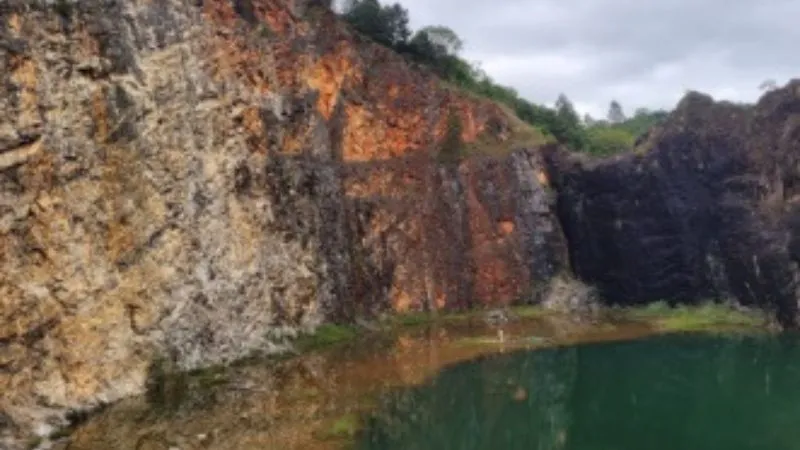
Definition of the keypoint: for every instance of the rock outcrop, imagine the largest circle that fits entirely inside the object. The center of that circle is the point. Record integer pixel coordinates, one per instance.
(708, 209)
(200, 179)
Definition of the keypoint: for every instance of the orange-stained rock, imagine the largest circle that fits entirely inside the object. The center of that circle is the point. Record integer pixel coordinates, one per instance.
(202, 180)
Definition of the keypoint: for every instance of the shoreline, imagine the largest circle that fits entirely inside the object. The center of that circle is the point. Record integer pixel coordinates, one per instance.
(339, 372)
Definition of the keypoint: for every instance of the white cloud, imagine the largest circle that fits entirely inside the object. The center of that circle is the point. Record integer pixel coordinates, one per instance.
(641, 53)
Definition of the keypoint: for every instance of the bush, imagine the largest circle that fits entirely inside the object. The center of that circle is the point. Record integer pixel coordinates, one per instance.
(452, 147)
(608, 140)
(437, 47)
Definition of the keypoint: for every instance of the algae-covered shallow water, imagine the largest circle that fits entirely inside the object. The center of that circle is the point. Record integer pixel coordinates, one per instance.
(687, 391)
(456, 385)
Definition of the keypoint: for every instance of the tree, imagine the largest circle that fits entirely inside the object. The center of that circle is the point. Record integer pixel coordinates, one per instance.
(642, 121)
(348, 5)
(365, 16)
(478, 73)
(566, 111)
(588, 120)
(452, 145)
(605, 140)
(768, 85)
(444, 37)
(387, 25)
(615, 113)
(395, 18)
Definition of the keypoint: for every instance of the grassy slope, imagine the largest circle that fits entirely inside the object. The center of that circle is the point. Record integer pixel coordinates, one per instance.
(523, 134)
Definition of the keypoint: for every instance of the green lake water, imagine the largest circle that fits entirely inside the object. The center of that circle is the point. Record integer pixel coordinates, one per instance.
(689, 391)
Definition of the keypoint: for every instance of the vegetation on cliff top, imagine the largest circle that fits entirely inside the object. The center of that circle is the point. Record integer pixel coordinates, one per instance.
(438, 47)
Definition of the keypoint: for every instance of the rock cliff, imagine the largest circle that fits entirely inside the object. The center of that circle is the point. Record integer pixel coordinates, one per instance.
(707, 209)
(201, 179)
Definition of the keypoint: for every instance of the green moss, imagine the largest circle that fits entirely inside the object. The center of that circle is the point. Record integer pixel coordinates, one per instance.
(209, 377)
(167, 386)
(345, 427)
(655, 309)
(528, 312)
(426, 318)
(325, 336)
(416, 319)
(508, 340)
(413, 319)
(692, 318)
(452, 148)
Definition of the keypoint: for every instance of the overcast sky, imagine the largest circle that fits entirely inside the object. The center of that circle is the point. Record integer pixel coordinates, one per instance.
(644, 53)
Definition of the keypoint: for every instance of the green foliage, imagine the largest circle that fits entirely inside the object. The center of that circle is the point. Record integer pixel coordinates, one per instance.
(387, 25)
(416, 319)
(443, 37)
(615, 113)
(413, 319)
(437, 48)
(642, 121)
(566, 111)
(452, 145)
(325, 336)
(528, 312)
(605, 140)
(346, 426)
(703, 317)
(167, 387)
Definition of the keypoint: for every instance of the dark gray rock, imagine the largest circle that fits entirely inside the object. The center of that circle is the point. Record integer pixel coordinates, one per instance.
(706, 212)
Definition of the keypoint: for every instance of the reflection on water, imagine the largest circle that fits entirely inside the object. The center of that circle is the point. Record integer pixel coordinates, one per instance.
(661, 393)
(302, 403)
(513, 402)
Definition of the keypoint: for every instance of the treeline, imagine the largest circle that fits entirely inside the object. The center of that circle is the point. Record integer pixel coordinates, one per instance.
(618, 132)
(438, 47)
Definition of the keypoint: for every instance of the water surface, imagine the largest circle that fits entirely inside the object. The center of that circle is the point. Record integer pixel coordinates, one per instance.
(309, 402)
(689, 391)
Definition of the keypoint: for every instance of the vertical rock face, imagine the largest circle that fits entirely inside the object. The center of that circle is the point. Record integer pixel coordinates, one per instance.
(709, 211)
(455, 237)
(199, 179)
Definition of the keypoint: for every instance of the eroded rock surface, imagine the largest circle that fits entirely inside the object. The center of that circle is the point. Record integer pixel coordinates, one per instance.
(708, 211)
(200, 179)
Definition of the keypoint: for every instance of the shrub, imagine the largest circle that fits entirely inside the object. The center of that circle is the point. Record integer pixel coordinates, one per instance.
(451, 149)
